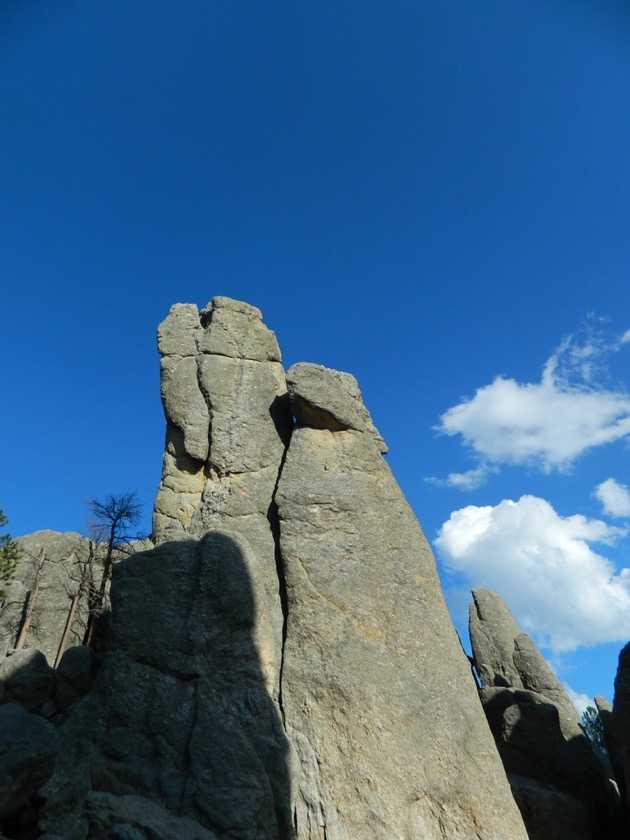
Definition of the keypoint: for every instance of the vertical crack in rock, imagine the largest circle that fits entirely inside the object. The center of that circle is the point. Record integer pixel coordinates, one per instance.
(228, 424)
(274, 523)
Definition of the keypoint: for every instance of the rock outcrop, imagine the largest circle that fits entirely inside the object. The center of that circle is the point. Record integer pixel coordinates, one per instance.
(282, 664)
(40, 595)
(228, 423)
(558, 781)
(376, 691)
(617, 727)
(181, 713)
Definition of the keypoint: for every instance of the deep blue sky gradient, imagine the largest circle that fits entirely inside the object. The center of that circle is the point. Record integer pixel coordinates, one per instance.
(424, 194)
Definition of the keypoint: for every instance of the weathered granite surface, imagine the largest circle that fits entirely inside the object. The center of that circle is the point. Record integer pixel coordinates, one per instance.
(377, 694)
(556, 777)
(228, 422)
(181, 713)
(48, 590)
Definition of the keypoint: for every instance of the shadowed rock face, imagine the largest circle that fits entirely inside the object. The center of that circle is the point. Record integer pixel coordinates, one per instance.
(617, 726)
(558, 781)
(282, 664)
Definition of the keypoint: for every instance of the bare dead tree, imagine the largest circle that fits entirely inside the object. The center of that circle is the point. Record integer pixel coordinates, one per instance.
(111, 523)
(30, 603)
(82, 577)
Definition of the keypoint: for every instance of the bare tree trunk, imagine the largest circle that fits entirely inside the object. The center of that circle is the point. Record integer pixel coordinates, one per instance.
(63, 644)
(29, 604)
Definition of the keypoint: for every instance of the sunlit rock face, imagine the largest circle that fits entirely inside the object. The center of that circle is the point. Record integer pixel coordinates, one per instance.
(228, 422)
(378, 697)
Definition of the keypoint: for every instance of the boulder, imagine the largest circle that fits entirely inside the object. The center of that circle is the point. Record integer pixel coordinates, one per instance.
(377, 695)
(29, 746)
(27, 678)
(618, 726)
(135, 818)
(73, 676)
(329, 399)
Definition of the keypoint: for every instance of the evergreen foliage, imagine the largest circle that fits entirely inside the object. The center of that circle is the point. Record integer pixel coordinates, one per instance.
(592, 723)
(9, 555)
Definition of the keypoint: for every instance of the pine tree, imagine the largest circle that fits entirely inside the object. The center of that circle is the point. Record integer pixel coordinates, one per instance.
(592, 723)
(9, 554)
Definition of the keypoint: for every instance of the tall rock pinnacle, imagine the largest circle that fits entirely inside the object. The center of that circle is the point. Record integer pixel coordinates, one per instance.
(228, 423)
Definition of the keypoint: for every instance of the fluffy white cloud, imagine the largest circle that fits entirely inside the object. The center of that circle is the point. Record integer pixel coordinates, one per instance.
(615, 498)
(549, 423)
(560, 590)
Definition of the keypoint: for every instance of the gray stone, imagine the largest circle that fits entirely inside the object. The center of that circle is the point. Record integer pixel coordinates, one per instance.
(537, 731)
(135, 818)
(329, 399)
(185, 405)
(50, 596)
(377, 694)
(181, 712)
(28, 748)
(549, 813)
(27, 677)
(73, 676)
(177, 334)
(505, 656)
(235, 329)
(228, 422)
(619, 726)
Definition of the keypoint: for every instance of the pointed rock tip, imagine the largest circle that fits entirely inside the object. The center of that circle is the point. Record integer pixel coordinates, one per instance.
(222, 302)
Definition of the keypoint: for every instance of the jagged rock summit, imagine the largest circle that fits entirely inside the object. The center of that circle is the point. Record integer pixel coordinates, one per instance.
(282, 664)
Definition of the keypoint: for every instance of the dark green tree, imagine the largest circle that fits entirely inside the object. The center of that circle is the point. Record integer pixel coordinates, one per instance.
(592, 723)
(9, 555)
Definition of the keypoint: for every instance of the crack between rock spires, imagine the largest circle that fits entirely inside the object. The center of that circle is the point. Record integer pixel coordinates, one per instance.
(274, 523)
(238, 358)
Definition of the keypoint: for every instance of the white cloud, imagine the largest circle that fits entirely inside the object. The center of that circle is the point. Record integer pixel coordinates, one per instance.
(625, 338)
(549, 423)
(560, 590)
(614, 497)
(469, 480)
(580, 701)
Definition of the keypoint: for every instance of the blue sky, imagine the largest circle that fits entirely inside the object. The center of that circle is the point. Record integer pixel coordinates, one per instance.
(432, 196)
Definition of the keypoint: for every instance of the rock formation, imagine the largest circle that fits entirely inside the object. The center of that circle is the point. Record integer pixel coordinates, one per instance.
(376, 691)
(282, 664)
(228, 423)
(558, 781)
(40, 595)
